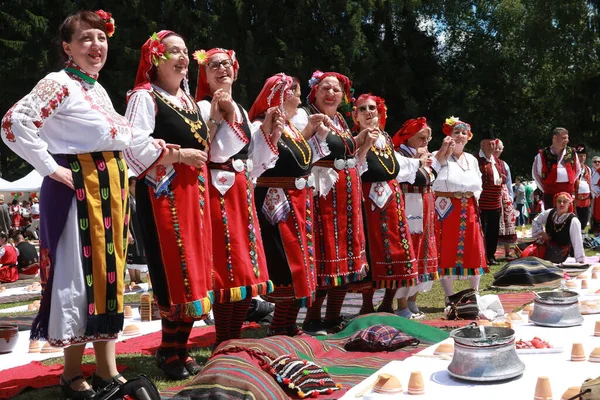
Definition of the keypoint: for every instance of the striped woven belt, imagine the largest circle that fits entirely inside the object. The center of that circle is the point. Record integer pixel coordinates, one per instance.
(456, 195)
(406, 188)
(286, 182)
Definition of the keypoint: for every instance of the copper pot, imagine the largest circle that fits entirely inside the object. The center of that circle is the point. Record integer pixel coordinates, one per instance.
(8, 338)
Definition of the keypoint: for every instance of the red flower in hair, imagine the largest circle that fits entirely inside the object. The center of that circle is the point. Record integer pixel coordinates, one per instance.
(109, 22)
(157, 50)
(104, 15)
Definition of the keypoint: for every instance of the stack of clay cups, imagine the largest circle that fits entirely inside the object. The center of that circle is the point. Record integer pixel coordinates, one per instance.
(146, 307)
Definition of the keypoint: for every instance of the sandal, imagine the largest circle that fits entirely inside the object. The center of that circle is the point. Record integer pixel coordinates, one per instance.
(73, 394)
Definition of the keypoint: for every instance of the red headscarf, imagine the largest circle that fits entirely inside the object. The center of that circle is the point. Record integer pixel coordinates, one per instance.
(409, 129)
(567, 195)
(202, 56)
(452, 123)
(276, 90)
(318, 76)
(142, 79)
(381, 110)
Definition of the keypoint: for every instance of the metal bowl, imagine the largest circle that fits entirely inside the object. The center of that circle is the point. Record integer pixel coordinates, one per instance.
(484, 354)
(556, 309)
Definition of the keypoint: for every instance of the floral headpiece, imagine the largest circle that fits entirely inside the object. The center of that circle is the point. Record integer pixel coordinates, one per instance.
(158, 51)
(109, 22)
(381, 110)
(275, 92)
(454, 123)
(152, 52)
(345, 106)
(202, 57)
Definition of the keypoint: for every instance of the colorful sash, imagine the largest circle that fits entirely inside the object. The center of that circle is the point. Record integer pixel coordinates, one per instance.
(101, 187)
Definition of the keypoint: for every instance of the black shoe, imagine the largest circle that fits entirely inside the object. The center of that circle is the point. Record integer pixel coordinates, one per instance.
(290, 331)
(73, 394)
(190, 364)
(335, 325)
(314, 327)
(260, 311)
(171, 365)
(100, 383)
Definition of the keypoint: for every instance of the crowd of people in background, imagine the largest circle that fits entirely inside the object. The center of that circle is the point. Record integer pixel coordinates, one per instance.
(286, 202)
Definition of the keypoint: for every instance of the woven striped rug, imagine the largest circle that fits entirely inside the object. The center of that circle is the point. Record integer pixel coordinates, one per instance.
(238, 376)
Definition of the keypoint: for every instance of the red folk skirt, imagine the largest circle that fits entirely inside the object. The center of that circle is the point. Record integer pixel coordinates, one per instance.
(180, 251)
(392, 258)
(340, 255)
(239, 262)
(290, 246)
(425, 244)
(460, 240)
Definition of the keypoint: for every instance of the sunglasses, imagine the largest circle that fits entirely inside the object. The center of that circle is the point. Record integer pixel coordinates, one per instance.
(365, 108)
(214, 65)
(596, 161)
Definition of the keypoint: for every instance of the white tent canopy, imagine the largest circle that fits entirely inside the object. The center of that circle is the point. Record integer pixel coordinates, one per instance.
(31, 182)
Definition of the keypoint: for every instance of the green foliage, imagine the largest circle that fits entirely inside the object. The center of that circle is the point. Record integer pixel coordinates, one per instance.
(520, 67)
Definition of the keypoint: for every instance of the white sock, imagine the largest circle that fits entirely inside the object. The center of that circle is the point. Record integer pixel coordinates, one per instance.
(447, 285)
(474, 279)
(412, 306)
(404, 313)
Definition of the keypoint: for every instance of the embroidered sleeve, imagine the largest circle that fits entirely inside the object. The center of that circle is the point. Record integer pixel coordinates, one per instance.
(262, 152)
(576, 239)
(228, 140)
(319, 147)
(538, 223)
(141, 113)
(408, 168)
(300, 119)
(22, 123)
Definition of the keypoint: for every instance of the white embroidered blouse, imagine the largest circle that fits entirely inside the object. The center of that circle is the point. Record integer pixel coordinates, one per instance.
(459, 175)
(63, 115)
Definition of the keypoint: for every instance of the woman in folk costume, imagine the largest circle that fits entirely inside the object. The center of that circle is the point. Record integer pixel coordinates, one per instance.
(391, 255)
(239, 153)
(8, 260)
(16, 214)
(557, 231)
(411, 141)
(172, 194)
(508, 214)
(339, 240)
(457, 188)
(69, 131)
(595, 189)
(284, 198)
